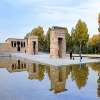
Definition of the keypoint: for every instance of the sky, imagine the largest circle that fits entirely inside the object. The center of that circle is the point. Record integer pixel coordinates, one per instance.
(18, 17)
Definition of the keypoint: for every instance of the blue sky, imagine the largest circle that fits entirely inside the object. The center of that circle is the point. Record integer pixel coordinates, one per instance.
(18, 17)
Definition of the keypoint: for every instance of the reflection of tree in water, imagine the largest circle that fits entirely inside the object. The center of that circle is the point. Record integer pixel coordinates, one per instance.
(98, 89)
(41, 72)
(48, 71)
(96, 67)
(80, 75)
(58, 76)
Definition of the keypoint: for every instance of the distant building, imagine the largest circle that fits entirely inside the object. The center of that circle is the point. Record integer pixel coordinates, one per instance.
(28, 45)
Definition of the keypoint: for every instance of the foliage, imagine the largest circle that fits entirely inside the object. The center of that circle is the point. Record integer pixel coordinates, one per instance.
(79, 35)
(41, 72)
(95, 67)
(94, 43)
(99, 22)
(80, 75)
(68, 40)
(78, 39)
(38, 31)
(47, 40)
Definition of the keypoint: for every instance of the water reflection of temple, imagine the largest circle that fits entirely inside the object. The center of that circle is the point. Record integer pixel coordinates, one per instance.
(17, 66)
(58, 78)
(36, 71)
(3, 63)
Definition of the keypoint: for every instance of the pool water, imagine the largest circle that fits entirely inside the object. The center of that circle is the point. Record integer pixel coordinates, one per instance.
(26, 80)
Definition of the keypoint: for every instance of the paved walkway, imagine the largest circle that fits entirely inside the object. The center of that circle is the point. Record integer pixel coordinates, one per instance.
(88, 55)
(45, 59)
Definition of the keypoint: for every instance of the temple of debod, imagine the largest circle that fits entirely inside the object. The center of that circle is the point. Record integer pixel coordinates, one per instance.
(57, 42)
(28, 49)
(30, 45)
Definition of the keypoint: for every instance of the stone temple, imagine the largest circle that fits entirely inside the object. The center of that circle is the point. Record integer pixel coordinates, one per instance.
(28, 45)
(57, 42)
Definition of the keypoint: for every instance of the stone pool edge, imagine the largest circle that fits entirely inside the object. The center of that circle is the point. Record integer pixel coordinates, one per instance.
(46, 60)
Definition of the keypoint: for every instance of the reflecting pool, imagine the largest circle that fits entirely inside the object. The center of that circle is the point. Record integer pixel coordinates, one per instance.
(25, 80)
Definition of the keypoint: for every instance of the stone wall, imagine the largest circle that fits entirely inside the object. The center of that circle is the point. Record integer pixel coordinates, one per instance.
(24, 45)
(14, 49)
(5, 47)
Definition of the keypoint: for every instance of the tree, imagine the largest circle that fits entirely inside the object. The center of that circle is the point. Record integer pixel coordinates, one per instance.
(38, 31)
(27, 35)
(47, 40)
(73, 39)
(99, 22)
(67, 37)
(80, 34)
(95, 43)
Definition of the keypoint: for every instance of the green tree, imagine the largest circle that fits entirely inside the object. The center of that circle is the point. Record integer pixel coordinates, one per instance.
(95, 43)
(67, 37)
(38, 31)
(72, 40)
(27, 35)
(99, 22)
(80, 35)
(47, 40)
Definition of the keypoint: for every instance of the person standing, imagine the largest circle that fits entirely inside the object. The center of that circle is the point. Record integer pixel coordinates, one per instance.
(71, 55)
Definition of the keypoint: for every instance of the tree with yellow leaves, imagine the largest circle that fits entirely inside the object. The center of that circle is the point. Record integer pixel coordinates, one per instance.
(99, 22)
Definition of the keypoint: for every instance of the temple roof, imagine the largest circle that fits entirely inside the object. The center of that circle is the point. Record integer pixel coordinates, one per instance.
(58, 27)
(14, 39)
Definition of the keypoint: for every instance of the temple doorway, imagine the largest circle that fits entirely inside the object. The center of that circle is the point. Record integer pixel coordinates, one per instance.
(60, 47)
(34, 47)
(18, 46)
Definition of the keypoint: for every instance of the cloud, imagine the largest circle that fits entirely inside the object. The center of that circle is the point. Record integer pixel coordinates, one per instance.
(20, 16)
(87, 11)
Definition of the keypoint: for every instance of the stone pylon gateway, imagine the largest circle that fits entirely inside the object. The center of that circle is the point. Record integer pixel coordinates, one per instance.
(32, 45)
(57, 42)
